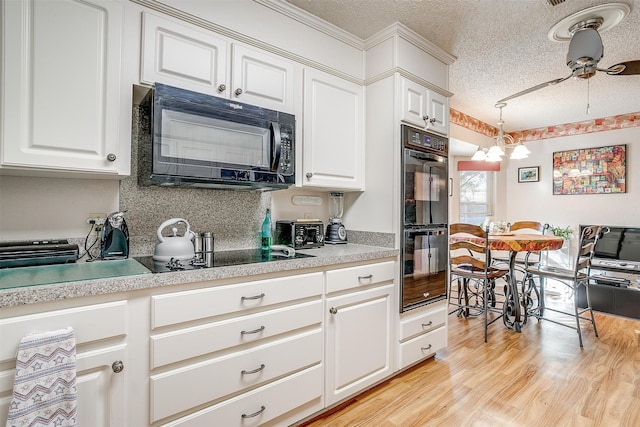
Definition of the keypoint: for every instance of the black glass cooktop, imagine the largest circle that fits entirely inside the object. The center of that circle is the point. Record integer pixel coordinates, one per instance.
(217, 259)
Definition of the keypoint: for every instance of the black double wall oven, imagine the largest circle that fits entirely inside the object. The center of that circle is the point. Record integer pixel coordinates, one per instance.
(424, 245)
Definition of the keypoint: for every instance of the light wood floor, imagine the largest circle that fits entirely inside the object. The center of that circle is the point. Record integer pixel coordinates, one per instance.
(540, 377)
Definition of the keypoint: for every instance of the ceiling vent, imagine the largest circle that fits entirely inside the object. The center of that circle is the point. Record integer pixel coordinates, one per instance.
(554, 2)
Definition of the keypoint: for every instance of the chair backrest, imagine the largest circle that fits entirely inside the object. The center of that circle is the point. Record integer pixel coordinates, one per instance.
(529, 226)
(464, 252)
(588, 239)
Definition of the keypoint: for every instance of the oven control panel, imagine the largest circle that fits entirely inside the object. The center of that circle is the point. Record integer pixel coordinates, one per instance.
(424, 140)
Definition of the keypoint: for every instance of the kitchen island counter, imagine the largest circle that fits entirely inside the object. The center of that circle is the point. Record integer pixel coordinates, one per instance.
(325, 256)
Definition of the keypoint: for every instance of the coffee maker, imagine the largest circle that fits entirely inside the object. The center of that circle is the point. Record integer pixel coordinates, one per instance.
(114, 242)
(336, 233)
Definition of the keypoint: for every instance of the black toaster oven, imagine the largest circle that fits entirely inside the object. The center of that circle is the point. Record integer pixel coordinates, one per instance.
(299, 234)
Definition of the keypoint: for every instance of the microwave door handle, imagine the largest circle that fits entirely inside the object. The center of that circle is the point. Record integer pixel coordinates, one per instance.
(276, 142)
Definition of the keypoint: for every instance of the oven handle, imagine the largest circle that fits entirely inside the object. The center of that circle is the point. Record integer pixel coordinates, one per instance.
(426, 231)
(421, 155)
(276, 142)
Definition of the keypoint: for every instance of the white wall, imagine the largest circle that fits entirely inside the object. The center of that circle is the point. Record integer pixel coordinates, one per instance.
(535, 200)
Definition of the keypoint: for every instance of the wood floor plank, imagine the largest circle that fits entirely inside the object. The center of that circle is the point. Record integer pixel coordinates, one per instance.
(540, 377)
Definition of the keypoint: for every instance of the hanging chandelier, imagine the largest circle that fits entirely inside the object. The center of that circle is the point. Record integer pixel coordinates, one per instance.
(501, 142)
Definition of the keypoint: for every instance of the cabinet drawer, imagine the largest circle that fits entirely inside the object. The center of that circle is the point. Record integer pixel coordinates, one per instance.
(429, 320)
(90, 323)
(422, 346)
(277, 398)
(353, 277)
(191, 342)
(202, 303)
(196, 384)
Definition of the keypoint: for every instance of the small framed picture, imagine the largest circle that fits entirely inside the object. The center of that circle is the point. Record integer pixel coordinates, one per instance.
(531, 174)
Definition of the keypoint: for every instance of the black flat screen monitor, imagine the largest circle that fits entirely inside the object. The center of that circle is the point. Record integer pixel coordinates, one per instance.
(620, 243)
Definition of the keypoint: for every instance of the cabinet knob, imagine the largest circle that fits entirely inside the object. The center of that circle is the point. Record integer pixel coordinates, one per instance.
(309, 175)
(238, 92)
(117, 366)
(222, 87)
(111, 157)
(333, 310)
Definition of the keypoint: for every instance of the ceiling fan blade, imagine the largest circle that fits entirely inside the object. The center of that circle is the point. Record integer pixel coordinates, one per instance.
(534, 88)
(631, 68)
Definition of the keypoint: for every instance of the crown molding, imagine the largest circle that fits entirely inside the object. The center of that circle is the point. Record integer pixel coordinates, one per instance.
(312, 21)
(401, 30)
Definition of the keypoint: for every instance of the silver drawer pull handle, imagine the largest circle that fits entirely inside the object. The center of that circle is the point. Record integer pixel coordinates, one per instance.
(253, 297)
(255, 414)
(426, 348)
(255, 371)
(255, 331)
(367, 277)
(424, 325)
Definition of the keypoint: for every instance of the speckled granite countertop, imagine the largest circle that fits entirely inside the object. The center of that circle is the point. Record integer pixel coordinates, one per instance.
(329, 255)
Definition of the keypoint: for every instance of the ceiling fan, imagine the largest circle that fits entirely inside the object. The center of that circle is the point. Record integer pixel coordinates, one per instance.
(585, 51)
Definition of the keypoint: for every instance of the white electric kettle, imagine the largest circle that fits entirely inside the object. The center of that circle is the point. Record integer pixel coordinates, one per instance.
(176, 247)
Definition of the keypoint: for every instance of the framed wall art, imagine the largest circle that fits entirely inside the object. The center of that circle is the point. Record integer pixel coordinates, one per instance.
(531, 174)
(601, 170)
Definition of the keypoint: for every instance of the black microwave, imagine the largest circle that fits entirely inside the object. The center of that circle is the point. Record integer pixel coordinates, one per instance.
(199, 140)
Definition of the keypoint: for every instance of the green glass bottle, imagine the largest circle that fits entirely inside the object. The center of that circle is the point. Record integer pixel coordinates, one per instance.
(267, 233)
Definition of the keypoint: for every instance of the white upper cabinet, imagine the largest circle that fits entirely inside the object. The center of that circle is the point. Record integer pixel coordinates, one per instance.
(61, 93)
(189, 57)
(182, 55)
(333, 147)
(423, 107)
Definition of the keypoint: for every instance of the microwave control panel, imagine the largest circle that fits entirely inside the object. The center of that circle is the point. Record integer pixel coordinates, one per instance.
(286, 150)
(423, 140)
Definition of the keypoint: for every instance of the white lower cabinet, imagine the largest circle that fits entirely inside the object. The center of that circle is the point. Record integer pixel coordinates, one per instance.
(358, 329)
(219, 353)
(422, 332)
(276, 404)
(101, 357)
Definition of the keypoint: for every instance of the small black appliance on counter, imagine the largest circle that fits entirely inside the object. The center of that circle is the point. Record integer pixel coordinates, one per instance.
(299, 233)
(114, 242)
(37, 252)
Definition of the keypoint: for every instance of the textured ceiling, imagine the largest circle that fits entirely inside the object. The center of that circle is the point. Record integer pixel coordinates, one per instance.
(502, 48)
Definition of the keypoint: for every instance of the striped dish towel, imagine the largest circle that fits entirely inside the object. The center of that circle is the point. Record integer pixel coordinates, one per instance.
(44, 388)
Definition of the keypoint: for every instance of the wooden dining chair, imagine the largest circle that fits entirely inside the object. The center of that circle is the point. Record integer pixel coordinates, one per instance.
(472, 286)
(573, 277)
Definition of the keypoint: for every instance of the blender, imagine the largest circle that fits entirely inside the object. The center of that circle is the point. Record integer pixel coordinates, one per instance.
(336, 233)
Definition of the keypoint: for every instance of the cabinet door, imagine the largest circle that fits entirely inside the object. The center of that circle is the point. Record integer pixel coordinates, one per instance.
(101, 387)
(358, 341)
(61, 86)
(414, 103)
(262, 79)
(423, 107)
(438, 109)
(183, 56)
(333, 149)
(100, 334)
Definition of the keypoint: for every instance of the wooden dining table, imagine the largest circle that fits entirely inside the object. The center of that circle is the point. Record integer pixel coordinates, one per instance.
(514, 243)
